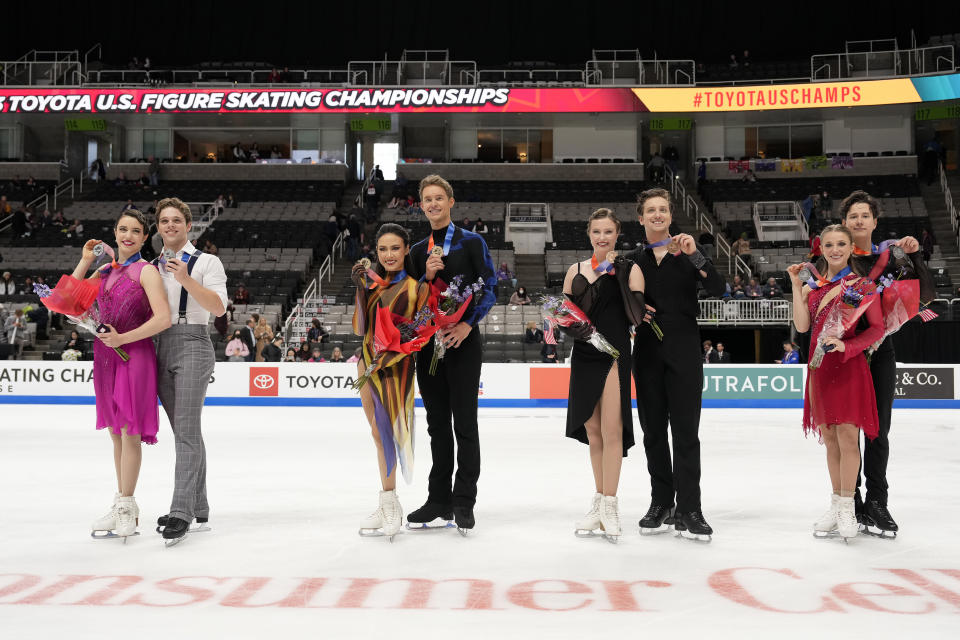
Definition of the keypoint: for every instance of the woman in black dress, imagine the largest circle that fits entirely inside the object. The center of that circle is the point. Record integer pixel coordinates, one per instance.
(610, 291)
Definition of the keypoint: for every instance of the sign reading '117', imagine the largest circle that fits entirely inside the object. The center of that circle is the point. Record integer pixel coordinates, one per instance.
(670, 124)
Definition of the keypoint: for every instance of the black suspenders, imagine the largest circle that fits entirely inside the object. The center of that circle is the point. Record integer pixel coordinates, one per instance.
(192, 260)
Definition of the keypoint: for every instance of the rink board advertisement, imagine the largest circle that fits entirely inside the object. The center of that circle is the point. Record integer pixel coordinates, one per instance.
(82, 101)
(501, 385)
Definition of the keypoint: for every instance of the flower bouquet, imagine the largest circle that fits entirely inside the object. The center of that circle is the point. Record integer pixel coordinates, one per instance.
(393, 332)
(851, 303)
(77, 300)
(900, 295)
(449, 303)
(564, 313)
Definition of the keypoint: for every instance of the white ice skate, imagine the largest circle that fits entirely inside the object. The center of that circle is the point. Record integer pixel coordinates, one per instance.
(386, 520)
(610, 518)
(588, 526)
(826, 526)
(116, 525)
(847, 525)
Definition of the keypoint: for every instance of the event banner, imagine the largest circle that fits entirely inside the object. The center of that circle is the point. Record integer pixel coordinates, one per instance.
(76, 101)
(501, 385)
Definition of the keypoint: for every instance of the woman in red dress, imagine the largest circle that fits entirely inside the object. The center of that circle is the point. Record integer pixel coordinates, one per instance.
(839, 398)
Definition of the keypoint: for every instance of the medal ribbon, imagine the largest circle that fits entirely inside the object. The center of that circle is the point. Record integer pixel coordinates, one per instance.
(874, 249)
(601, 267)
(128, 262)
(381, 282)
(447, 241)
(818, 281)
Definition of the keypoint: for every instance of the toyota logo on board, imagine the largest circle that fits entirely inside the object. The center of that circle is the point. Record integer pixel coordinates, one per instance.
(264, 381)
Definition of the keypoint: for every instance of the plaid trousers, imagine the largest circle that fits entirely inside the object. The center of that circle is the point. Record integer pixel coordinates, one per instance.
(185, 360)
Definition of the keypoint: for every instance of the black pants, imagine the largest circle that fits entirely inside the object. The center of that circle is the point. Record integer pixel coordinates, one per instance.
(669, 380)
(876, 452)
(452, 392)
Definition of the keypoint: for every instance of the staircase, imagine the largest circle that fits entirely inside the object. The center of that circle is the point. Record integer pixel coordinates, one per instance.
(687, 225)
(940, 225)
(531, 272)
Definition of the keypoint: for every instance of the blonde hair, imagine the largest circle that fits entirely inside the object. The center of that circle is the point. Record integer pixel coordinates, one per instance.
(179, 205)
(433, 180)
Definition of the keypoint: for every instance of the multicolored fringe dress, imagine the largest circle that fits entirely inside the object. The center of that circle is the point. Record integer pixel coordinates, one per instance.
(392, 381)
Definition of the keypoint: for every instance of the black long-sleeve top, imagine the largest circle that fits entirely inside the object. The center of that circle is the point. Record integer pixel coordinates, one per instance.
(469, 258)
(671, 286)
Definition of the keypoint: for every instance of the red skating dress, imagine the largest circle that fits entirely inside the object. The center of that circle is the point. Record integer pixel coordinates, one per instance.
(840, 391)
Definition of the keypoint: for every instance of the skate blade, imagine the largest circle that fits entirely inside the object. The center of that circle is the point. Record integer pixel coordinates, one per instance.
(429, 526)
(194, 528)
(876, 532)
(646, 531)
(110, 535)
(826, 535)
(172, 542)
(588, 533)
(694, 537)
(463, 532)
(612, 539)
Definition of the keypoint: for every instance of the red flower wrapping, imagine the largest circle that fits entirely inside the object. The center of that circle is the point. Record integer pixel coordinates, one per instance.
(386, 335)
(72, 297)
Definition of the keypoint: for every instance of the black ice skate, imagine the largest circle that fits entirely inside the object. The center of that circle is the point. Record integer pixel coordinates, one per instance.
(692, 526)
(658, 519)
(465, 519)
(431, 516)
(878, 522)
(199, 527)
(175, 531)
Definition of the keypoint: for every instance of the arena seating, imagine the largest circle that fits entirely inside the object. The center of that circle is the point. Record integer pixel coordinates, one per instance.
(209, 190)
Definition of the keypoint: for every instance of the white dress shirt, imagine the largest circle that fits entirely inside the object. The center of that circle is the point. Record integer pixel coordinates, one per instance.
(208, 271)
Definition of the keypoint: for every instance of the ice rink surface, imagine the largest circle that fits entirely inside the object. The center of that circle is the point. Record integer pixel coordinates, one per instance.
(289, 487)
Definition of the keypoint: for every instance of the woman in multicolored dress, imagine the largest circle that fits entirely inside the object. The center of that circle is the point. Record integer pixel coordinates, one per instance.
(388, 396)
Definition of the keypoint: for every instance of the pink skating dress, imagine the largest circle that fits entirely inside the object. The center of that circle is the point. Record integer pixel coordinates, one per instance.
(126, 392)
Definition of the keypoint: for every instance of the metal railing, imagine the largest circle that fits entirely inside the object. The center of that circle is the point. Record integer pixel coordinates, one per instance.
(297, 77)
(882, 64)
(951, 206)
(62, 188)
(44, 198)
(745, 312)
(208, 214)
(524, 77)
(535, 213)
(641, 72)
(43, 67)
(781, 213)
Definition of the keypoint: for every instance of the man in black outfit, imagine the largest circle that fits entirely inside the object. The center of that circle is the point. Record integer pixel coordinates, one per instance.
(719, 355)
(447, 252)
(669, 372)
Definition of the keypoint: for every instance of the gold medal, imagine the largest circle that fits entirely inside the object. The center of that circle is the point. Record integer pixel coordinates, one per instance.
(437, 251)
(673, 247)
(364, 262)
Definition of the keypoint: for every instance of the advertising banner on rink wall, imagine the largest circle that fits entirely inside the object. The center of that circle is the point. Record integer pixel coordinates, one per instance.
(81, 101)
(501, 385)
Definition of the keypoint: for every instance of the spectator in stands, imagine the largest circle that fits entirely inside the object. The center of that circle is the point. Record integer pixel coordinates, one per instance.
(354, 236)
(249, 335)
(737, 289)
(933, 154)
(742, 248)
(672, 156)
(46, 219)
(479, 226)
(372, 199)
(285, 76)
(144, 181)
(749, 176)
(7, 285)
(772, 289)
(209, 247)
(733, 61)
(219, 204)
(74, 343)
(303, 353)
(5, 208)
(238, 154)
(75, 227)
(273, 351)
(20, 227)
(264, 335)
(316, 356)
(275, 150)
(14, 327)
(701, 71)
(331, 229)
(825, 206)
(274, 77)
(39, 316)
(241, 295)
(467, 223)
(26, 288)
(58, 219)
(701, 174)
(154, 171)
(532, 334)
(707, 241)
(254, 155)
(317, 333)
(707, 350)
(237, 350)
(291, 355)
(548, 353)
(357, 354)
(231, 202)
(520, 296)
(656, 167)
(926, 244)
(745, 60)
(720, 355)
(504, 274)
(753, 289)
(337, 355)
(790, 355)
